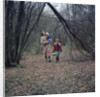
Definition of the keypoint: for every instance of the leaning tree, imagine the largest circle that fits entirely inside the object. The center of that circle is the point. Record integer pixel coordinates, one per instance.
(21, 20)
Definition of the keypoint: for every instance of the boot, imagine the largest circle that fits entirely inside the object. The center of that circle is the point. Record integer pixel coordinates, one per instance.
(57, 59)
(49, 59)
(46, 58)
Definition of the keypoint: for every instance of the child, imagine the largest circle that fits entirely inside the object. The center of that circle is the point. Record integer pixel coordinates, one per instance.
(57, 49)
(48, 38)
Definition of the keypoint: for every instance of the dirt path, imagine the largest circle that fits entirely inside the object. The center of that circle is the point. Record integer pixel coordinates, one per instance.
(39, 77)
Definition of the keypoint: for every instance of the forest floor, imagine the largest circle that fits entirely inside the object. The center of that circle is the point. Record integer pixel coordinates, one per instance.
(39, 78)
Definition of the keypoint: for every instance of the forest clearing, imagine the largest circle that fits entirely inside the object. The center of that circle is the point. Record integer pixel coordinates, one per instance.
(39, 78)
(49, 48)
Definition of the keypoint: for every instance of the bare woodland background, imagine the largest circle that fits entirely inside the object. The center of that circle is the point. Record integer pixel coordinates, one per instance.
(26, 71)
(73, 24)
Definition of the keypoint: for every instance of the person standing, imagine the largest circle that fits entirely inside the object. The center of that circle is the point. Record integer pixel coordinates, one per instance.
(57, 49)
(46, 46)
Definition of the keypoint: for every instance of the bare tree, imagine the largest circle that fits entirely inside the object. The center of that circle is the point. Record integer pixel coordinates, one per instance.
(72, 27)
(20, 21)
